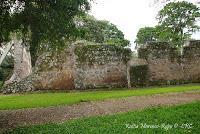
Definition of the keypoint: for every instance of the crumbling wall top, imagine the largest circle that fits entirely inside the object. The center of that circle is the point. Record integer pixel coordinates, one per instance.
(191, 49)
(157, 50)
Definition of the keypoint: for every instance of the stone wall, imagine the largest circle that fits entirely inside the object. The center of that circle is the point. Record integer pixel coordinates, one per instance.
(99, 66)
(191, 61)
(79, 66)
(137, 71)
(22, 61)
(167, 66)
(84, 66)
(55, 70)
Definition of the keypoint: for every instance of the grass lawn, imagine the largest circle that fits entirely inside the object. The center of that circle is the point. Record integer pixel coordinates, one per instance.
(171, 120)
(35, 100)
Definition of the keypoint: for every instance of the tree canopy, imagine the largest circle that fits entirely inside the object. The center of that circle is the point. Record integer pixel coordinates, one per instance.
(101, 31)
(146, 34)
(177, 22)
(180, 19)
(50, 20)
(37, 21)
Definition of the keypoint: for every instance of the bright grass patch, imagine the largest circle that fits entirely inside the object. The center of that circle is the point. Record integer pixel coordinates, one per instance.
(35, 100)
(171, 120)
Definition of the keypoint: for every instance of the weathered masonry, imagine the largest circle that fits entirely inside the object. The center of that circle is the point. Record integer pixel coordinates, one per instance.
(86, 66)
(159, 64)
(80, 66)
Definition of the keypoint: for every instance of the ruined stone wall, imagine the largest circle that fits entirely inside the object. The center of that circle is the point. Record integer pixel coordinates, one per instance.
(22, 61)
(79, 66)
(84, 66)
(55, 70)
(163, 63)
(191, 61)
(167, 66)
(99, 66)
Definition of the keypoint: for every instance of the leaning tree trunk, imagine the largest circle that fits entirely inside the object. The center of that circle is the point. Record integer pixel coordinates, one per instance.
(22, 61)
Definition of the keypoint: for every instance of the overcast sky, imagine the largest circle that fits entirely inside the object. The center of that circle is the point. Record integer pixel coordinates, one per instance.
(128, 15)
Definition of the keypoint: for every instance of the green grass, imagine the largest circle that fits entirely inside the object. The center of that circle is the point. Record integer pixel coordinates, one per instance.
(53, 99)
(181, 118)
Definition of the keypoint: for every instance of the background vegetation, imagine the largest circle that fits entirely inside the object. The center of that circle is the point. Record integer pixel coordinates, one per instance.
(100, 31)
(177, 22)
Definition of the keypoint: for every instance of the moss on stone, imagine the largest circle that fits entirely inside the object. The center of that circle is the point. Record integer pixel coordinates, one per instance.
(139, 76)
(158, 50)
(101, 54)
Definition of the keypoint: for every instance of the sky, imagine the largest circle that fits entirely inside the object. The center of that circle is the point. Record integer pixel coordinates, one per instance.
(129, 15)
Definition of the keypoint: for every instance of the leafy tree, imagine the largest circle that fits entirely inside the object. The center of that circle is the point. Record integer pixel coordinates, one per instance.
(100, 31)
(37, 21)
(114, 36)
(146, 34)
(5, 21)
(179, 19)
(90, 29)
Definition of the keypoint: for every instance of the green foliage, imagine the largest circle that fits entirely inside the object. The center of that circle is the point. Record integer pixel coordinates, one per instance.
(139, 75)
(179, 19)
(154, 34)
(1, 84)
(179, 116)
(101, 31)
(158, 50)
(118, 42)
(101, 54)
(54, 99)
(5, 22)
(6, 68)
(41, 20)
(5, 73)
(143, 53)
(146, 34)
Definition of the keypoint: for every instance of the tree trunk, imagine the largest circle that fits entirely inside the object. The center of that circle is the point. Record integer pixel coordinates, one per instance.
(22, 61)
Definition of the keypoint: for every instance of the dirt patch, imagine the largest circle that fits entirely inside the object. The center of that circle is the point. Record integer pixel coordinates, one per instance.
(26, 117)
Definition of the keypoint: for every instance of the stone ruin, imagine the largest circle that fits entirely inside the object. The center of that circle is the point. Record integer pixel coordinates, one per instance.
(22, 59)
(79, 66)
(85, 66)
(160, 64)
